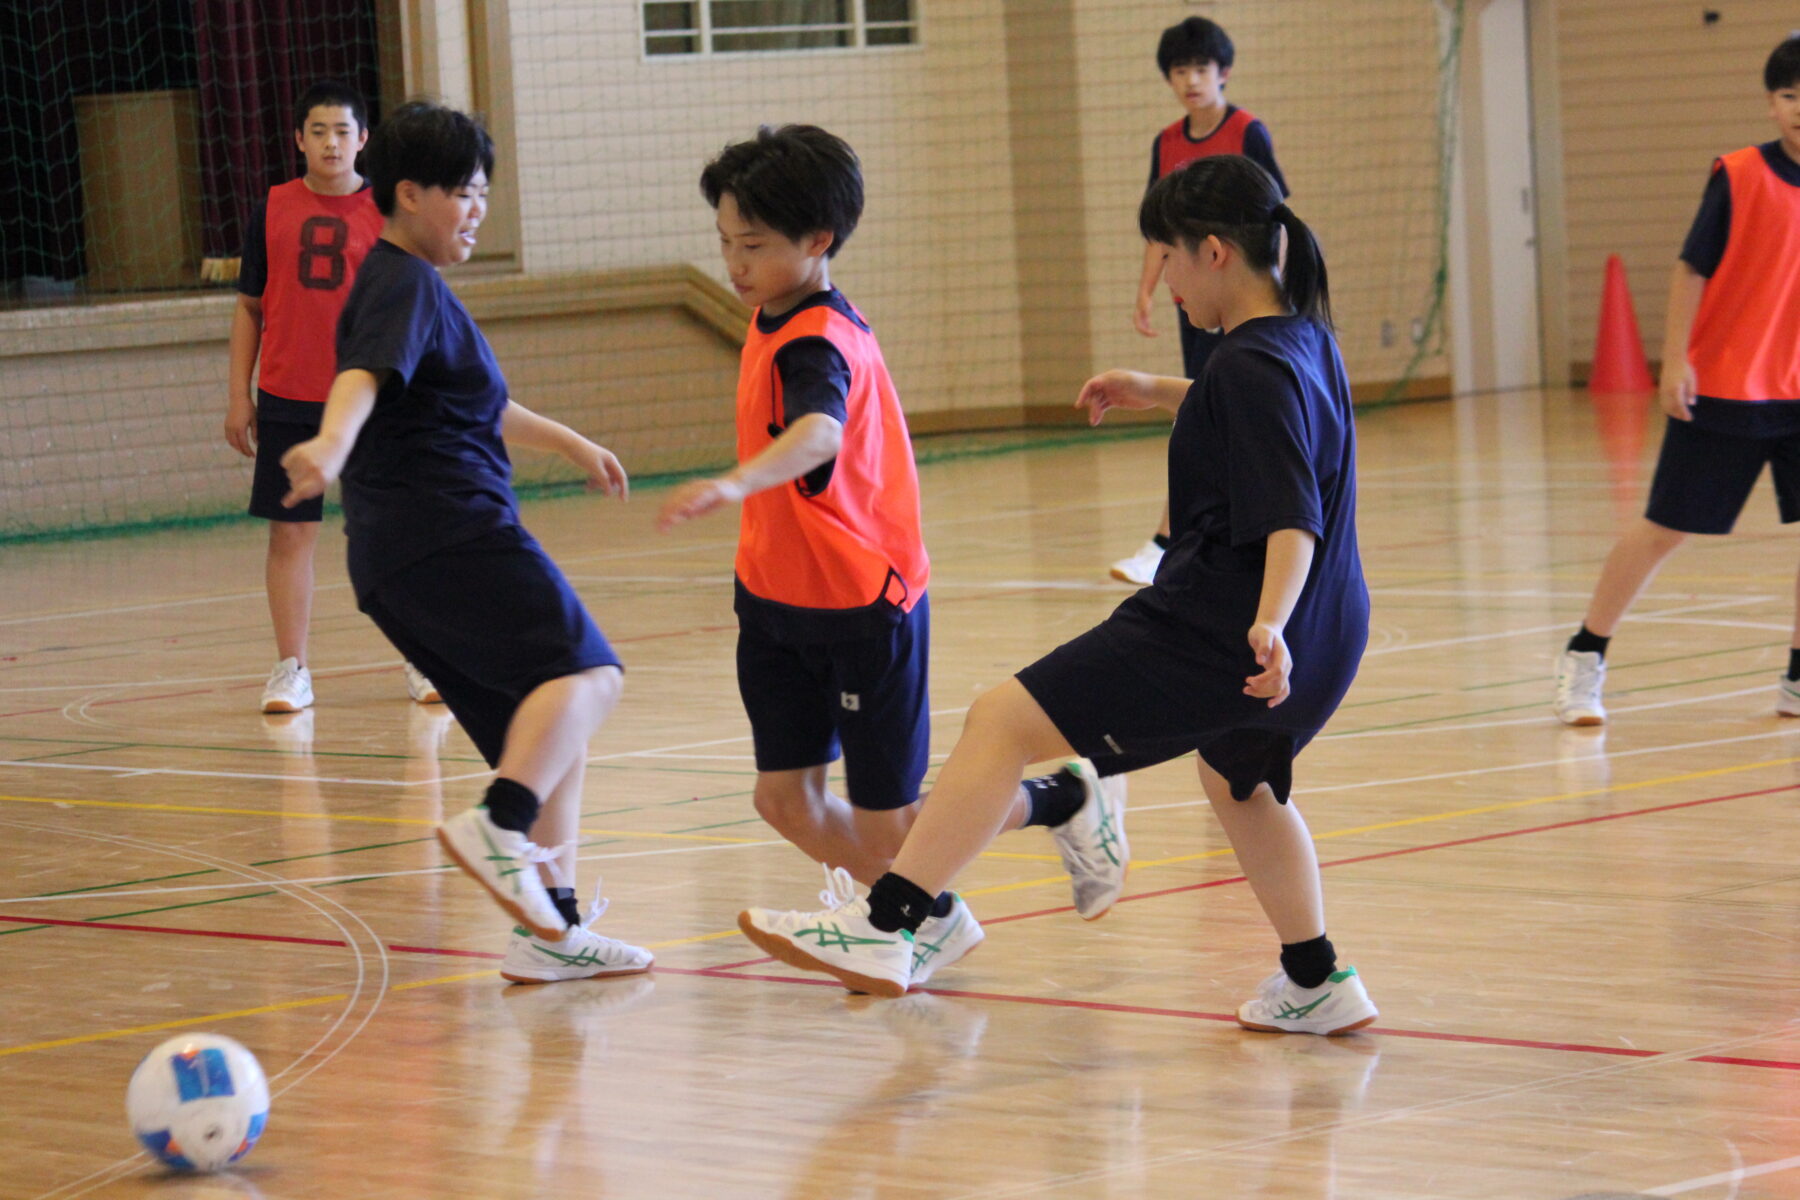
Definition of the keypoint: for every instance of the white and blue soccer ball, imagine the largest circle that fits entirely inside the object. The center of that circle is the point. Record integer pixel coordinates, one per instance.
(198, 1102)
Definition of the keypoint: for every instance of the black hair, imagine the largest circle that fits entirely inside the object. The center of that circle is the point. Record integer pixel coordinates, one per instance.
(1195, 40)
(429, 144)
(331, 93)
(1782, 71)
(1233, 199)
(797, 180)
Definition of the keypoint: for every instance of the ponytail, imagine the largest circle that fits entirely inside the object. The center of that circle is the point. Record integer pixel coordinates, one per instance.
(1229, 197)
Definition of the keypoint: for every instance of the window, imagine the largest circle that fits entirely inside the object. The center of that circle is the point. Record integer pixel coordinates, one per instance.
(682, 27)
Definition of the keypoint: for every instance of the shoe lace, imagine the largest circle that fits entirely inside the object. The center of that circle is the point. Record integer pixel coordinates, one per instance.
(840, 889)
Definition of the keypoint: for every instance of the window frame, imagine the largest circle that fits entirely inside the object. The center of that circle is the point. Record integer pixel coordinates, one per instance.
(704, 32)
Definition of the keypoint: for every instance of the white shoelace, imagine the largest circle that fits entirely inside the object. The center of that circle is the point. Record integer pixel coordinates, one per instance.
(840, 889)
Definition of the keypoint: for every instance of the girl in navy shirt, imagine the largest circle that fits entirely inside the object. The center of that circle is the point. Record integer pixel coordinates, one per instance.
(1241, 649)
(416, 424)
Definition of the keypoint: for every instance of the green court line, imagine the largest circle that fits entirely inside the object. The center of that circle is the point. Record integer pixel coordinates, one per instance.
(1390, 700)
(718, 825)
(101, 887)
(1614, 670)
(95, 749)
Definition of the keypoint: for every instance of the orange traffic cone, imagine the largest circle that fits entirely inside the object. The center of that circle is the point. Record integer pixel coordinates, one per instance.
(1619, 362)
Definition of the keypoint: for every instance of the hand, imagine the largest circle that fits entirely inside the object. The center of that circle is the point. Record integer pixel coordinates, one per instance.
(696, 499)
(1140, 316)
(1676, 395)
(311, 467)
(240, 426)
(604, 471)
(1114, 389)
(1272, 656)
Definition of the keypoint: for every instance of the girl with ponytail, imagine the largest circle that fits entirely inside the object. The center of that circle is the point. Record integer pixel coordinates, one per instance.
(1241, 649)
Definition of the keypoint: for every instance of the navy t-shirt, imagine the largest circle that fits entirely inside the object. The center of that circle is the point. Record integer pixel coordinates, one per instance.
(1264, 441)
(1259, 148)
(429, 469)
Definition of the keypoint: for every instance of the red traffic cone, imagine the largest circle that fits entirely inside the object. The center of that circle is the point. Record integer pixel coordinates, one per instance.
(1619, 362)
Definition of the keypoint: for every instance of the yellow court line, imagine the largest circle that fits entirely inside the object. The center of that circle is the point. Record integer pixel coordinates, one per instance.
(988, 891)
(161, 1025)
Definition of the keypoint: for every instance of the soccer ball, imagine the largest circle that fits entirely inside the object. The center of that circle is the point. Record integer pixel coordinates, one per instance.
(198, 1102)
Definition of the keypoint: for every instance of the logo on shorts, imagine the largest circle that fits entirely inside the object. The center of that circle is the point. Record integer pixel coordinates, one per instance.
(851, 701)
(1112, 745)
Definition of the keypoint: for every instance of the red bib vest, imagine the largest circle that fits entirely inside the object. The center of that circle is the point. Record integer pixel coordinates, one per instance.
(316, 244)
(1745, 344)
(1174, 149)
(858, 541)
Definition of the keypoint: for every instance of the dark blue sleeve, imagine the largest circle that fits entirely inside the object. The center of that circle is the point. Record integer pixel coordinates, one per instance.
(390, 320)
(815, 378)
(1259, 148)
(253, 263)
(1269, 446)
(1707, 236)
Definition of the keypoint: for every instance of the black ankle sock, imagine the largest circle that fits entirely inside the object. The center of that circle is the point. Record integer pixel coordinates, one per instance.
(943, 904)
(1309, 964)
(1794, 664)
(1053, 799)
(1588, 642)
(1161, 540)
(898, 903)
(511, 805)
(564, 899)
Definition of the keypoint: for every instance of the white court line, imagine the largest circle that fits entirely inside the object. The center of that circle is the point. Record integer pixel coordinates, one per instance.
(1540, 719)
(1598, 757)
(273, 880)
(128, 772)
(1734, 602)
(322, 672)
(1733, 1176)
(1779, 627)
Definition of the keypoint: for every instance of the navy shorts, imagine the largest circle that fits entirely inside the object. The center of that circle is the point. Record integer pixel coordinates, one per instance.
(488, 620)
(1197, 344)
(1122, 719)
(868, 696)
(282, 424)
(1704, 476)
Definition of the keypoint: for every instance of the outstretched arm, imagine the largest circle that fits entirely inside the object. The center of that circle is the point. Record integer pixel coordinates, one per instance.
(808, 443)
(522, 427)
(313, 465)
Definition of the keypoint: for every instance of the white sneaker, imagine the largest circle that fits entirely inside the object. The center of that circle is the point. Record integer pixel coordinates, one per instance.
(505, 863)
(1092, 842)
(838, 940)
(419, 687)
(1140, 568)
(579, 954)
(1787, 697)
(1580, 675)
(289, 688)
(944, 940)
(1339, 1005)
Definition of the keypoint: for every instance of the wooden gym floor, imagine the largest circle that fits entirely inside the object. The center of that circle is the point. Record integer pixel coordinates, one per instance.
(1583, 942)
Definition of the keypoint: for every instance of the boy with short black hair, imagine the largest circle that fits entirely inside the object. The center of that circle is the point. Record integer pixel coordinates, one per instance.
(1195, 58)
(1730, 386)
(831, 571)
(438, 557)
(302, 249)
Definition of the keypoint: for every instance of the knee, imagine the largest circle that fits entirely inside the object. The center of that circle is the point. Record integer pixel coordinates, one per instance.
(1660, 538)
(604, 685)
(989, 713)
(292, 537)
(782, 802)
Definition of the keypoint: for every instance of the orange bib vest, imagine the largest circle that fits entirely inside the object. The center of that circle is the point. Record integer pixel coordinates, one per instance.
(857, 542)
(1745, 343)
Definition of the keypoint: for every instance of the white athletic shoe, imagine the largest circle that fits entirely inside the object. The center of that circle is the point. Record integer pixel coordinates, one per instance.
(421, 688)
(1787, 697)
(505, 863)
(579, 954)
(1092, 842)
(944, 940)
(1339, 1005)
(289, 688)
(1580, 676)
(1140, 568)
(837, 940)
